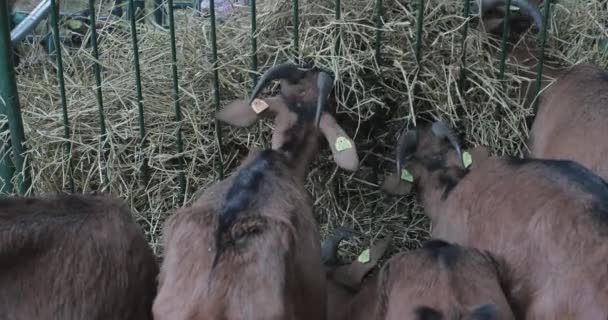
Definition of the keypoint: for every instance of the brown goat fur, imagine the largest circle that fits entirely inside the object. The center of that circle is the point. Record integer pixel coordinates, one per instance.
(547, 219)
(572, 117)
(248, 247)
(73, 257)
(440, 281)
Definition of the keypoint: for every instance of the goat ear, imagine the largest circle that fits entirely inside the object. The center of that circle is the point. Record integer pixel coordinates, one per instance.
(352, 275)
(393, 184)
(240, 114)
(342, 147)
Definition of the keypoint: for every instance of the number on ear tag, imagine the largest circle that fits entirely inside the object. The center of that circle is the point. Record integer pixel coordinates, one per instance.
(259, 105)
(343, 143)
(406, 176)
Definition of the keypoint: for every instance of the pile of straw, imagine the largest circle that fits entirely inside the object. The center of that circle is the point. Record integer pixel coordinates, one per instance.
(375, 102)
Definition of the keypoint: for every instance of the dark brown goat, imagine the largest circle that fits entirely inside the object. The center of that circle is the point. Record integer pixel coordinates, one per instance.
(547, 219)
(74, 257)
(441, 281)
(572, 117)
(249, 248)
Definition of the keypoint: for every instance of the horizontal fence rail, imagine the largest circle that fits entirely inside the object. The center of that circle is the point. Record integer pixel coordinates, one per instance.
(13, 154)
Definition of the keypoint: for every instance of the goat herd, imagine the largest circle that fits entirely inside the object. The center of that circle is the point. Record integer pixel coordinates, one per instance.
(512, 238)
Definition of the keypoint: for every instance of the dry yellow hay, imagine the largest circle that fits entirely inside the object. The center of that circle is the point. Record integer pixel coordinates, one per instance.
(366, 91)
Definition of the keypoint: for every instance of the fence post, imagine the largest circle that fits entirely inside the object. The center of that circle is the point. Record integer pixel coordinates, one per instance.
(9, 106)
(338, 16)
(140, 104)
(216, 89)
(60, 78)
(541, 59)
(103, 136)
(296, 29)
(419, 29)
(178, 113)
(254, 46)
(463, 57)
(379, 24)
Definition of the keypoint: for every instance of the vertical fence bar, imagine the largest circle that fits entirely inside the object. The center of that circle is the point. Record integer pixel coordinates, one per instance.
(60, 78)
(216, 89)
(8, 97)
(178, 113)
(140, 99)
(10, 101)
(419, 25)
(379, 26)
(338, 16)
(504, 48)
(103, 137)
(159, 13)
(463, 57)
(541, 58)
(505, 36)
(338, 9)
(296, 28)
(254, 46)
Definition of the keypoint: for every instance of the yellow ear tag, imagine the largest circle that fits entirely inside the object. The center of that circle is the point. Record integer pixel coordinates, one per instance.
(407, 176)
(467, 159)
(514, 8)
(74, 24)
(364, 256)
(342, 144)
(259, 105)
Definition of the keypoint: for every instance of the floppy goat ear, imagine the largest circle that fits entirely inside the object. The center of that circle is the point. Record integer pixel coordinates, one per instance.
(342, 146)
(352, 275)
(400, 182)
(242, 114)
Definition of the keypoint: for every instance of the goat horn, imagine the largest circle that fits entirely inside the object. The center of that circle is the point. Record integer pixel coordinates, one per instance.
(325, 83)
(524, 5)
(281, 71)
(441, 130)
(408, 139)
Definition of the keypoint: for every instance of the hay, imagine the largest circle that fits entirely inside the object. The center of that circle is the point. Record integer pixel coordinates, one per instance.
(365, 92)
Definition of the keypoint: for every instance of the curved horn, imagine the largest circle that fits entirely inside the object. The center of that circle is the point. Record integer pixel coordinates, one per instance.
(525, 5)
(329, 247)
(281, 71)
(325, 83)
(407, 141)
(441, 130)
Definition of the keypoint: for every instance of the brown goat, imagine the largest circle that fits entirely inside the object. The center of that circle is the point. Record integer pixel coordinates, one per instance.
(249, 247)
(441, 281)
(572, 118)
(74, 257)
(547, 219)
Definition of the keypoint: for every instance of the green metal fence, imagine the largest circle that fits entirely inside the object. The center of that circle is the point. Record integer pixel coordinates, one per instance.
(13, 154)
